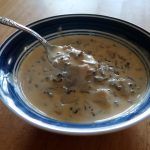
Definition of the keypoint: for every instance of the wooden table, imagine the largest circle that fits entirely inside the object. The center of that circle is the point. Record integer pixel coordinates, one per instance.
(16, 134)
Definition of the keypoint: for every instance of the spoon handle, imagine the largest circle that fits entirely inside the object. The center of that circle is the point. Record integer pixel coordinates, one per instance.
(11, 23)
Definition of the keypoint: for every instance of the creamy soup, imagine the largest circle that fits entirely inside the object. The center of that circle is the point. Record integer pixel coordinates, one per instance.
(85, 91)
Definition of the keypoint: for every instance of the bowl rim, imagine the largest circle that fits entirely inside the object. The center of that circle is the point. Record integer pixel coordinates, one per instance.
(73, 131)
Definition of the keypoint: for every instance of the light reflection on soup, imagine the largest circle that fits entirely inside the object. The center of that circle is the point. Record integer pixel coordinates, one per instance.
(116, 85)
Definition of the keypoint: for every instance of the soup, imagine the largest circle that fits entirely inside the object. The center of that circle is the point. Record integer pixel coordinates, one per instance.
(117, 84)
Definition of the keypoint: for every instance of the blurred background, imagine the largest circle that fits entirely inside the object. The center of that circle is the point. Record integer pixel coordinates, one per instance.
(134, 11)
(15, 134)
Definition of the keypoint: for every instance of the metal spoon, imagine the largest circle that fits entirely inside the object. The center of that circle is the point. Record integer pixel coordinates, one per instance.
(62, 59)
(48, 47)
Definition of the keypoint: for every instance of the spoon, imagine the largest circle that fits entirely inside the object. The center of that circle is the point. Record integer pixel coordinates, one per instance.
(48, 47)
(64, 59)
(55, 53)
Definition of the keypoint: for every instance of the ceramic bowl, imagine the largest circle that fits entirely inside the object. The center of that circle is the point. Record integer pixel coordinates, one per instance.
(13, 48)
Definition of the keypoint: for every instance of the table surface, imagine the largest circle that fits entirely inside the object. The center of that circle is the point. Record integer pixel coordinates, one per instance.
(16, 134)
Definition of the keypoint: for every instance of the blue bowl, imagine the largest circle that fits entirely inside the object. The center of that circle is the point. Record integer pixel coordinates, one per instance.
(12, 48)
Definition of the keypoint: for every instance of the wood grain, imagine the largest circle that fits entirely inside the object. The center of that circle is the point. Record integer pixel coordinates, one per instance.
(16, 134)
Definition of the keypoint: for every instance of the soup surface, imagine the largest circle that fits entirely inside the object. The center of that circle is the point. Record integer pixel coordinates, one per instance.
(117, 82)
